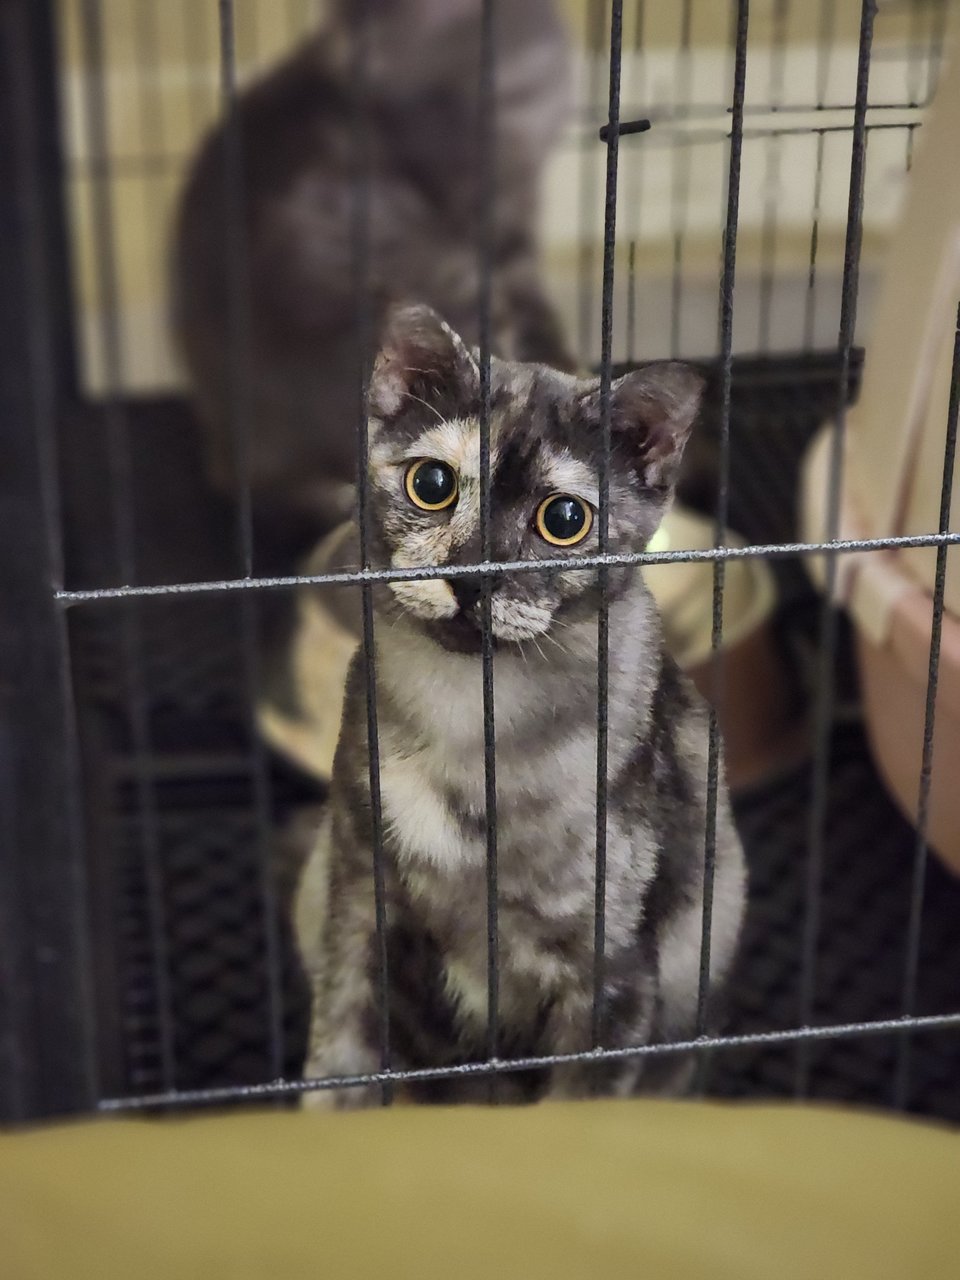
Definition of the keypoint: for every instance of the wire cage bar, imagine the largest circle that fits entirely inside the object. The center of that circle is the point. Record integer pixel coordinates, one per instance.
(361, 271)
(50, 1010)
(486, 154)
(828, 626)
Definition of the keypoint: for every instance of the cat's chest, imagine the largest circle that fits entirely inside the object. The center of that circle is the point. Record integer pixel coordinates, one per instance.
(434, 802)
(433, 778)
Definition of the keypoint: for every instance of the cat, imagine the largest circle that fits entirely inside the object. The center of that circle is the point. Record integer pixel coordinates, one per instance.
(423, 405)
(301, 155)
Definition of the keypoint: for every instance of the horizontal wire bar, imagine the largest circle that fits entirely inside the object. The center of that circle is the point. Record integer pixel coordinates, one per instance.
(150, 167)
(592, 117)
(278, 1088)
(357, 577)
(706, 111)
(663, 136)
(806, 131)
(155, 162)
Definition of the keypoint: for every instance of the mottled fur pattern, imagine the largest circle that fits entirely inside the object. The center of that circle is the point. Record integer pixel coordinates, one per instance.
(545, 437)
(308, 134)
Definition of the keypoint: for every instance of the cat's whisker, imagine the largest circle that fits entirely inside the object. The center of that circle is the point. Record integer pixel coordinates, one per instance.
(420, 401)
(555, 642)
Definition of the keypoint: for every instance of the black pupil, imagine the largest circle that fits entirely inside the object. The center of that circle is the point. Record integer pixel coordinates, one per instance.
(433, 483)
(564, 518)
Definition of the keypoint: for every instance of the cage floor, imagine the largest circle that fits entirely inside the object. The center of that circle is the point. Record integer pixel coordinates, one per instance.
(200, 773)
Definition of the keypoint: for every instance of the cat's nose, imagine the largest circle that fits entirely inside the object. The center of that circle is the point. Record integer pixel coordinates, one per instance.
(466, 592)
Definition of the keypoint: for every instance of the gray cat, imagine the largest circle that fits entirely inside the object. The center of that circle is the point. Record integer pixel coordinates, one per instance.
(424, 499)
(307, 138)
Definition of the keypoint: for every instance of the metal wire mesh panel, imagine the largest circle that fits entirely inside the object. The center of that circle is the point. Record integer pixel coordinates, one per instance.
(785, 144)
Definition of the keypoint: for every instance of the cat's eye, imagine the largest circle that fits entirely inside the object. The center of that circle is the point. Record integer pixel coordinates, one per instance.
(431, 485)
(563, 520)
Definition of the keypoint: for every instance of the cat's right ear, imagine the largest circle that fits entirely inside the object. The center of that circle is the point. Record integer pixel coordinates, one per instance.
(421, 360)
(652, 412)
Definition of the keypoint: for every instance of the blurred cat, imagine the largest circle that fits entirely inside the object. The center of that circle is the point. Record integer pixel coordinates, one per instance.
(307, 134)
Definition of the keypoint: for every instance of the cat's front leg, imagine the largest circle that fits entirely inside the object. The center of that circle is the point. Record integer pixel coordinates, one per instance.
(347, 1057)
(568, 1030)
(626, 1020)
(336, 948)
(344, 1031)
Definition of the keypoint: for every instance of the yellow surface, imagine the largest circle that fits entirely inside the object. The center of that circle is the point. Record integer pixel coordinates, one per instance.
(632, 1189)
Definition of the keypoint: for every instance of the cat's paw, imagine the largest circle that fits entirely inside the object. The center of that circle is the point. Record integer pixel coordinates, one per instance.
(333, 1061)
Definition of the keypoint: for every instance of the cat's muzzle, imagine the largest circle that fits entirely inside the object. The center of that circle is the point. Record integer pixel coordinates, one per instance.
(463, 632)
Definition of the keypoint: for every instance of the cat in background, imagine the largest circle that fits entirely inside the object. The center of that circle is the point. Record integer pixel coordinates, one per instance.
(307, 136)
(545, 427)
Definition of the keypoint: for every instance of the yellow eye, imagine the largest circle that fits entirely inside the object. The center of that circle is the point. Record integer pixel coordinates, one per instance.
(563, 520)
(431, 485)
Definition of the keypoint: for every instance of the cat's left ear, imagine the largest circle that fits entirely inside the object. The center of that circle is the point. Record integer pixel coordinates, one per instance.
(652, 412)
(421, 361)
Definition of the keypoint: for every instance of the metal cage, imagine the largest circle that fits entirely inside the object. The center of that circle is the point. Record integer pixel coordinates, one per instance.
(150, 838)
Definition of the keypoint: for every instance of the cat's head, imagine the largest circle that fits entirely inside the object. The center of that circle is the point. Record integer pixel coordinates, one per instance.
(546, 451)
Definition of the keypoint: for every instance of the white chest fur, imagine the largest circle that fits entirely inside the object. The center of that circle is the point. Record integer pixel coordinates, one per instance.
(418, 817)
(433, 781)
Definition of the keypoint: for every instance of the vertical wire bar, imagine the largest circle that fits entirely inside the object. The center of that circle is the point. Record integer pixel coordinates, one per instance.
(823, 714)
(727, 283)
(255, 38)
(43, 383)
(603, 615)
(152, 136)
(912, 964)
(198, 58)
(826, 29)
(810, 301)
(938, 31)
(631, 336)
(917, 64)
(908, 149)
(238, 299)
(486, 123)
(680, 163)
(360, 252)
(635, 185)
(238, 337)
(771, 177)
(825, 33)
(588, 186)
(121, 498)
